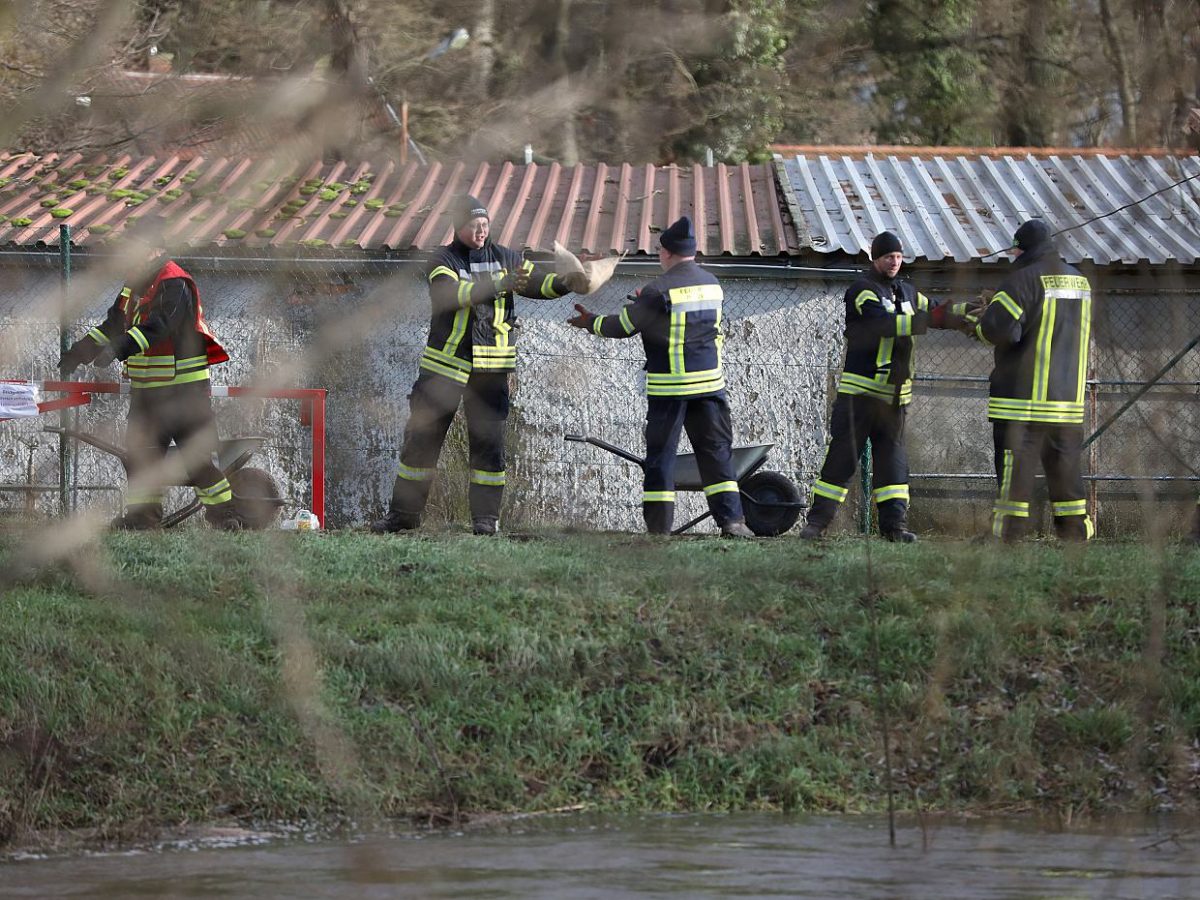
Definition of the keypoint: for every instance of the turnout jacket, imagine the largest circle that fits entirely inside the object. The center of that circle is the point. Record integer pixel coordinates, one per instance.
(160, 335)
(1040, 322)
(678, 316)
(882, 316)
(472, 322)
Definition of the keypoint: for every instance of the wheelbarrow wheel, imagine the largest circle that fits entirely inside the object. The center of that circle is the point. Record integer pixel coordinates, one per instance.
(771, 502)
(255, 496)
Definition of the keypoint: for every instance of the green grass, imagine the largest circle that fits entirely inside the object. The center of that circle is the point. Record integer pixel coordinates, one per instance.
(192, 676)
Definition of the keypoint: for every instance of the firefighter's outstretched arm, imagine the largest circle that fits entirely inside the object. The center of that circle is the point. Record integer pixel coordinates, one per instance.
(624, 324)
(543, 284)
(88, 347)
(870, 320)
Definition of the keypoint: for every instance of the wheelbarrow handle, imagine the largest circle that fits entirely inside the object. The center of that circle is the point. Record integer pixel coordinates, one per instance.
(605, 445)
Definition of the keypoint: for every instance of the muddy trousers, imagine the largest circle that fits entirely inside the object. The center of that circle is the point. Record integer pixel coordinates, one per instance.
(856, 419)
(159, 417)
(432, 405)
(710, 429)
(1020, 447)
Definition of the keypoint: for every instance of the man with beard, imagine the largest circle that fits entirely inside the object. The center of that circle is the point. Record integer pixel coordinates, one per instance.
(882, 316)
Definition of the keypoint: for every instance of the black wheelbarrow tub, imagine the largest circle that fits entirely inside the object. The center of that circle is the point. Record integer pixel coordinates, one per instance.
(746, 460)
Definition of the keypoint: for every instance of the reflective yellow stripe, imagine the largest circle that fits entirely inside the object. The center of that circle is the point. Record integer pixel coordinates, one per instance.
(862, 298)
(1085, 337)
(830, 491)
(626, 322)
(215, 493)
(414, 473)
(684, 390)
(1052, 412)
(438, 368)
(890, 492)
(1010, 305)
(548, 288)
(658, 496)
(1070, 508)
(922, 301)
(98, 336)
(721, 487)
(883, 358)
(141, 498)
(448, 359)
(904, 326)
(457, 330)
(597, 325)
(136, 334)
(494, 479)
(463, 297)
(498, 322)
(675, 340)
(443, 270)
(187, 378)
(854, 384)
(697, 296)
(666, 378)
(1044, 346)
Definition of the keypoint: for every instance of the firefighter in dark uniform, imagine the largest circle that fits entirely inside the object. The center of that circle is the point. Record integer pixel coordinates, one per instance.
(470, 354)
(678, 316)
(882, 317)
(1039, 321)
(156, 328)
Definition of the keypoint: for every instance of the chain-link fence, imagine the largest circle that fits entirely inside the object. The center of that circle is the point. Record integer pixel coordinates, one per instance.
(356, 328)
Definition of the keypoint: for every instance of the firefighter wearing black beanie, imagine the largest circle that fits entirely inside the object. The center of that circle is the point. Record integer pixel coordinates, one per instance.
(882, 317)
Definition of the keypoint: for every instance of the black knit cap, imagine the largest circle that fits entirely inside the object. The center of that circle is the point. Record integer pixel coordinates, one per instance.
(885, 242)
(680, 238)
(1032, 235)
(467, 208)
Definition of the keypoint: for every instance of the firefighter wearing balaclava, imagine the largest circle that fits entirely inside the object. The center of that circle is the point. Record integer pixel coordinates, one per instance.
(156, 328)
(883, 314)
(1039, 321)
(469, 356)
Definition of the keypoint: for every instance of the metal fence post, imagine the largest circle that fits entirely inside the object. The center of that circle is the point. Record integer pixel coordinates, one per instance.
(66, 467)
(864, 509)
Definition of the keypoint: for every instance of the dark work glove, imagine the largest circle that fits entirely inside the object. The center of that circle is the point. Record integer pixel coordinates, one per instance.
(106, 355)
(75, 356)
(516, 282)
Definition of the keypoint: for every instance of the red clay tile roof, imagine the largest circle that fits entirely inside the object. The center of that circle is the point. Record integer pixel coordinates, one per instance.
(247, 205)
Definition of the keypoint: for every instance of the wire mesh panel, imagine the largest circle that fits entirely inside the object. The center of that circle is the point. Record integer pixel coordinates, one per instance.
(356, 327)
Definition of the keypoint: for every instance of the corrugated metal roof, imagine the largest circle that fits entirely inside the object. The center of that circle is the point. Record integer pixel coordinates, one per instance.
(249, 204)
(965, 204)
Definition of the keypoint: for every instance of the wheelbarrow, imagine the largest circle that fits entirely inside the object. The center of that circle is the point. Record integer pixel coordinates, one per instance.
(255, 496)
(770, 500)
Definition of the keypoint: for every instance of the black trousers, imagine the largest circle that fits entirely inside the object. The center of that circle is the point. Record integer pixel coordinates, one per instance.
(180, 414)
(432, 405)
(710, 429)
(855, 419)
(1020, 447)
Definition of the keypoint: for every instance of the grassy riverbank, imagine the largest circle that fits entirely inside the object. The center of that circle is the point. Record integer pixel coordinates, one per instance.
(197, 676)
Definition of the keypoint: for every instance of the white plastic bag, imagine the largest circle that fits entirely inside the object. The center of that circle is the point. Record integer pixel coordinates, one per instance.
(18, 398)
(302, 521)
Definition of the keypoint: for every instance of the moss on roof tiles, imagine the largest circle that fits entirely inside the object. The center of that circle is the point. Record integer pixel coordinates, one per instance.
(61, 212)
(233, 233)
(22, 221)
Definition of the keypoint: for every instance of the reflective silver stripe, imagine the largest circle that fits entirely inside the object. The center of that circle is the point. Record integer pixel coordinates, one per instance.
(412, 473)
(136, 334)
(98, 336)
(830, 491)
(494, 479)
(890, 492)
(658, 496)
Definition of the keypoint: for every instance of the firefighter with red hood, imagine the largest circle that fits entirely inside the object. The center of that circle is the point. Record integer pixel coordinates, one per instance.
(156, 328)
